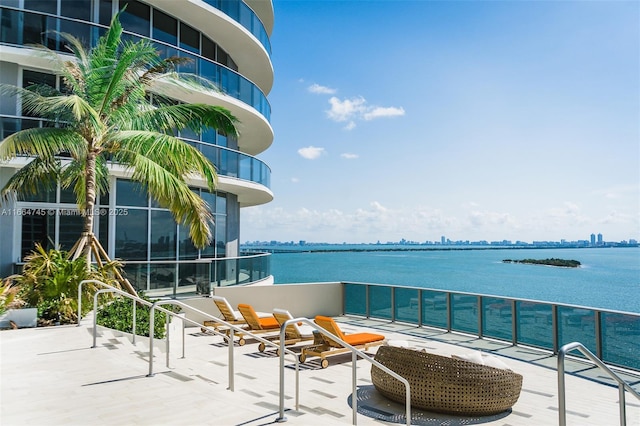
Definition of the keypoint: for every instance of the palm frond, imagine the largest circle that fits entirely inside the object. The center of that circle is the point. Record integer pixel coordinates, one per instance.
(171, 153)
(38, 175)
(44, 142)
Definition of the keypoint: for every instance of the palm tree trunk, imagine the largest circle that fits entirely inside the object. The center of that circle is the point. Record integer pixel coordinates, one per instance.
(87, 214)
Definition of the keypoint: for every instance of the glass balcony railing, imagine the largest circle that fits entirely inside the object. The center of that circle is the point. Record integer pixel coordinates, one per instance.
(613, 336)
(189, 277)
(245, 16)
(228, 162)
(22, 28)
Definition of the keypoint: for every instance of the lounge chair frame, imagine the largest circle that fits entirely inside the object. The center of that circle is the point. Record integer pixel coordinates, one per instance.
(324, 346)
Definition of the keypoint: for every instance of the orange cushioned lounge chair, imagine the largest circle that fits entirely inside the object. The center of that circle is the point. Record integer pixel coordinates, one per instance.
(255, 324)
(331, 347)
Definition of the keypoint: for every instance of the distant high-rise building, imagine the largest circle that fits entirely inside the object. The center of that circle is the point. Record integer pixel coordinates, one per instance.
(442, 239)
(593, 239)
(600, 239)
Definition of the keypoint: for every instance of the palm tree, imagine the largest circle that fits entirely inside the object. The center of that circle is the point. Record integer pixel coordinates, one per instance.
(113, 108)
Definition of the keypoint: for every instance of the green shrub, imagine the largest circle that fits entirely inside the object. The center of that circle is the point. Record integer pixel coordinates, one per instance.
(49, 281)
(118, 315)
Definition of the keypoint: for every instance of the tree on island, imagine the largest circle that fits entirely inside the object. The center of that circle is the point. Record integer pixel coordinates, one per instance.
(113, 106)
(549, 262)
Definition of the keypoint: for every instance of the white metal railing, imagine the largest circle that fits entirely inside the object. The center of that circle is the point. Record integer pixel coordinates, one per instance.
(354, 356)
(622, 385)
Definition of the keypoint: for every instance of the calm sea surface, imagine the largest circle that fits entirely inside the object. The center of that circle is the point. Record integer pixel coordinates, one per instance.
(609, 278)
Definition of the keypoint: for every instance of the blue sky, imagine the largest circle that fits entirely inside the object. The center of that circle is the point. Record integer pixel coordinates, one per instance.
(478, 120)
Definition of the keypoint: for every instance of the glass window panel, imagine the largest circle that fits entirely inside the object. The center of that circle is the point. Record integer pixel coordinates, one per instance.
(44, 195)
(189, 38)
(10, 28)
(103, 229)
(136, 17)
(535, 324)
(106, 8)
(188, 251)
(37, 228)
(163, 235)
(67, 196)
(162, 276)
(78, 9)
(131, 235)
(46, 6)
(130, 193)
(220, 230)
(165, 28)
(71, 227)
(434, 308)
(208, 48)
(406, 310)
(464, 310)
(137, 274)
(34, 28)
(193, 278)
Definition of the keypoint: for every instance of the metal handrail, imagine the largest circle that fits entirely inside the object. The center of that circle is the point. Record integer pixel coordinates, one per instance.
(155, 306)
(231, 327)
(622, 385)
(354, 356)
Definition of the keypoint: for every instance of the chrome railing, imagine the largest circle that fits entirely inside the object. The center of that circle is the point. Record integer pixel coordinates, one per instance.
(354, 357)
(622, 385)
(611, 335)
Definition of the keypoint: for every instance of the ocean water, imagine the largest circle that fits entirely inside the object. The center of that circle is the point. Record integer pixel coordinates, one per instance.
(609, 278)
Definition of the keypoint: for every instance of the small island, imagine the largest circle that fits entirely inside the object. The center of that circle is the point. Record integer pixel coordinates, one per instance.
(564, 263)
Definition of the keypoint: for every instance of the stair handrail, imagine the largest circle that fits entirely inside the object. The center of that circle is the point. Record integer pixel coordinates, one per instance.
(622, 385)
(354, 357)
(157, 305)
(154, 306)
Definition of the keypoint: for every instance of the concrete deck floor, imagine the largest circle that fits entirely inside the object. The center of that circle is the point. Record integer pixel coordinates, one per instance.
(52, 376)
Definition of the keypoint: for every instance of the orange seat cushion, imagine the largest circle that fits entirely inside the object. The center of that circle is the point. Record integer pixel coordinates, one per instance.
(269, 322)
(362, 338)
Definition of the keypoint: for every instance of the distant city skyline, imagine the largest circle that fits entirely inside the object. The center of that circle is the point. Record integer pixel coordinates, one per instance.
(478, 120)
(593, 241)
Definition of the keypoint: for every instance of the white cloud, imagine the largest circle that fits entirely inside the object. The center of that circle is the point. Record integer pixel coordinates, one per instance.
(379, 112)
(349, 156)
(295, 180)
(344, 110)
(357, 108)
(311, 152)
(321, 90)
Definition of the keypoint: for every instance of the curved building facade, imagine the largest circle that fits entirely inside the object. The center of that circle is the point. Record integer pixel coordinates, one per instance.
(227, 42)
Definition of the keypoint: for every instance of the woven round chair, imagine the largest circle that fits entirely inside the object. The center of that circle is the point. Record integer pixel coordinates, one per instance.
(445, 385)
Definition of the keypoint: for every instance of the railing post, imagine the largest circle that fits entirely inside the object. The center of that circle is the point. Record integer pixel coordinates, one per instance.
(354, 392)
(151, 327)
(449, 312)
(480, 316)
(514, 323)
(393, 304)
(555, 327)
(367, 302)
(562, 409)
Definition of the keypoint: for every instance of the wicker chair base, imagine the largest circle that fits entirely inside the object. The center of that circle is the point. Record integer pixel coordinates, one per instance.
(445, 385)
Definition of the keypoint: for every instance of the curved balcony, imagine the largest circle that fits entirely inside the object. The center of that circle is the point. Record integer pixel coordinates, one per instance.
(22, 28)
(245, 16)
(228, 162)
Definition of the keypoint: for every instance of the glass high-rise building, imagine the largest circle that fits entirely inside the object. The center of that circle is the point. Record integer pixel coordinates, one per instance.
(228, 43)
